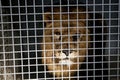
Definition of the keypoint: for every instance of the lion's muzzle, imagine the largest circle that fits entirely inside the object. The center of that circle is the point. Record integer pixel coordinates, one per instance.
(66, 57)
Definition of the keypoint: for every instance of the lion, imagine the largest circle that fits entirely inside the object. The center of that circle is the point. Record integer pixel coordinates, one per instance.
(66, 40)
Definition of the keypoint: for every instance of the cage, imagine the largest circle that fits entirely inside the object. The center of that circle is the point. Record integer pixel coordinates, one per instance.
(59, 40)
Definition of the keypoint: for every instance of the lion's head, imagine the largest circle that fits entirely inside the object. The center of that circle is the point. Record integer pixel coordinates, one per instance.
(65, 40)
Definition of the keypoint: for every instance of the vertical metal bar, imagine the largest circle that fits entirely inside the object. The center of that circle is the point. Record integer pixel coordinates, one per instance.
(87, 61)
(103, 40)
(78, 72)
(21, 59)
(68, 27)
(27, 29)
(109, 46)
(45, 72)
(94, 42)
(61, 28)
(34, 6)
(118, 54)
(12, 45)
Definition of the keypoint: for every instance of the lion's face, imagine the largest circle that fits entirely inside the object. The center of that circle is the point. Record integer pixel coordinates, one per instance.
(65, 41)
(69, 42)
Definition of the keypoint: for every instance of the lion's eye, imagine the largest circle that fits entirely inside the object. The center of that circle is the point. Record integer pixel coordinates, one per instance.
(76, 37)
(57, 35)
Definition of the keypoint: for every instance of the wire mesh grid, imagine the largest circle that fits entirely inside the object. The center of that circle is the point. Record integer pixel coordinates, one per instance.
(59, 39)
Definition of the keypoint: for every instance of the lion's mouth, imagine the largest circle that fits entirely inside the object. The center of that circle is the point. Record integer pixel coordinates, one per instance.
(66, 62)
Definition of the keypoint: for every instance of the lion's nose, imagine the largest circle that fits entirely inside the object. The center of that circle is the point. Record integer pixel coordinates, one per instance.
(66, 52)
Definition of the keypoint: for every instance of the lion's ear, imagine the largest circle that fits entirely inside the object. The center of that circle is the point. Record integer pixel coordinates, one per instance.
(47, 17)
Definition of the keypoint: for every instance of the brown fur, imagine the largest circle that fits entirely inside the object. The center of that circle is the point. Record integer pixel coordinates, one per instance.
(58, 35)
